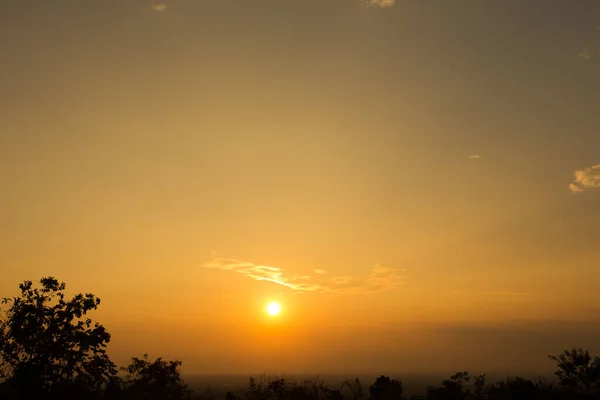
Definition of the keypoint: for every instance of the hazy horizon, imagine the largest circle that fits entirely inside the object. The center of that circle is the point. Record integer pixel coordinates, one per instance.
(415, 182)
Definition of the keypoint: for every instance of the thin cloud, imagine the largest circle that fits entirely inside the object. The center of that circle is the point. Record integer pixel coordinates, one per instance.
(506, 294)
(378, 3)
(586, 54)
(319, 271)
(586, 178)
(474, 157)
(159, 7)
(378, 280)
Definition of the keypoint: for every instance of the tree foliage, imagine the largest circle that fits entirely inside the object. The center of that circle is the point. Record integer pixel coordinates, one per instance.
(158, 379)
(47, 341)
(578, 371)
(385, 388)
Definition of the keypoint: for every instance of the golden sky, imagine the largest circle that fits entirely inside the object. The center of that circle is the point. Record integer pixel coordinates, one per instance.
(416, 182)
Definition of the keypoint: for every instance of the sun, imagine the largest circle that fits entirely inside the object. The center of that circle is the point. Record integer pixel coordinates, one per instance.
(273, 308)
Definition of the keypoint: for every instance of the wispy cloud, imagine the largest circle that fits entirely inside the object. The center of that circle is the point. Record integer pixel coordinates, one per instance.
(495, 293)
(159, 7)
(319, 271)
(586, 178)
(378, 3)
(474, 157)
(508, 293)
(586, 54)
(379, 279)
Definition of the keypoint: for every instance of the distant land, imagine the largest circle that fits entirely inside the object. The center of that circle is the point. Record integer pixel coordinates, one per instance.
(216, 386)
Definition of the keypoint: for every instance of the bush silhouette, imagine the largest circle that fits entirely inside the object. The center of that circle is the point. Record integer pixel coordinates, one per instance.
(158, 379)
(385, 388)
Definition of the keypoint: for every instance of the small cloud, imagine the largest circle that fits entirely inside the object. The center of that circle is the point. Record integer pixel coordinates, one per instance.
(378, 3)
(575, 188)
(319, 271)
(585, 54)
(159, 7)
(474, 157)
(586, 178)
(378, 280)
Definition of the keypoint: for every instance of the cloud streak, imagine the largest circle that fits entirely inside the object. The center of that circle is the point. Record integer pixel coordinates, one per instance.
(159, 7)
(379, 279)
(378, 3)
(586, 178)
(474, 157)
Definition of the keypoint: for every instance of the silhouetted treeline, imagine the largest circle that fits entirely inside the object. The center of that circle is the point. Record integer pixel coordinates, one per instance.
(50, 350)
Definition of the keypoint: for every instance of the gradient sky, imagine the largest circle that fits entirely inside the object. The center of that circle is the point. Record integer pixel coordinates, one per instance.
(417, 182)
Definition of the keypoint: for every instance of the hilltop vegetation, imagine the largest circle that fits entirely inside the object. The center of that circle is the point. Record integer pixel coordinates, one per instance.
(51, 350)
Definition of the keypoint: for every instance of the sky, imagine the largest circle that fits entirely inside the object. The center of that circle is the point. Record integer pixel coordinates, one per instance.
(416, 182)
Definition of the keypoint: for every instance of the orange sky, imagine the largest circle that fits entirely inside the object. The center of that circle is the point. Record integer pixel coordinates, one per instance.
(416, 182)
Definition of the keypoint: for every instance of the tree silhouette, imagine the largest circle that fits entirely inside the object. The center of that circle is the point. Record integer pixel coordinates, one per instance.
(385, 388)
(578, 371)
(282, 388)
(157, 380)
(231, 396)
(46, 345)
(453, 388)
(255, 390)
(355, 388)
(479, 386)
(515, 389)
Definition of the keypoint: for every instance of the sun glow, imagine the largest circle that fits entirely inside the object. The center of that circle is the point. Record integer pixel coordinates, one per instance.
(273, 308)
